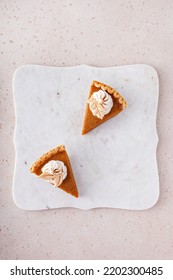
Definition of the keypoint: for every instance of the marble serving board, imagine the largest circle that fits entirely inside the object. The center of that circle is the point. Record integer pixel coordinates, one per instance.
(114, 165)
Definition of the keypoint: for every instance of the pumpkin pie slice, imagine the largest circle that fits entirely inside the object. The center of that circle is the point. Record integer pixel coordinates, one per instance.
(54, 166)
(103, 103)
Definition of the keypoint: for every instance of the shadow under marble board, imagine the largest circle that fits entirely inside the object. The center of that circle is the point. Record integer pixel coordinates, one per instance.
(114, 165)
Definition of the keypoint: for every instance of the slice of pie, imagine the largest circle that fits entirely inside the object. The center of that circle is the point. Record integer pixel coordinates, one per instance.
(103, 104)
(54, 166)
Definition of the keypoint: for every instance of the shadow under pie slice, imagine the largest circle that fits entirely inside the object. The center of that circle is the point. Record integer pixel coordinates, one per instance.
(114, 100)
(54, 166)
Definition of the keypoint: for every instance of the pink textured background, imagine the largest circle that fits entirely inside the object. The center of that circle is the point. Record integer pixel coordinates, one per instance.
(98, 33)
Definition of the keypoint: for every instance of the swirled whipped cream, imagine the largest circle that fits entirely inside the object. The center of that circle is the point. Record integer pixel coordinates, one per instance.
(54, 172)
(100, 103)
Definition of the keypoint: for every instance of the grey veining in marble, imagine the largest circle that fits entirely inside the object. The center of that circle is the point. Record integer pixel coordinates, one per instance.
(114, 165)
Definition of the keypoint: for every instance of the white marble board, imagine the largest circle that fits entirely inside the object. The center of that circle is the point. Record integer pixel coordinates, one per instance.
(114, 165)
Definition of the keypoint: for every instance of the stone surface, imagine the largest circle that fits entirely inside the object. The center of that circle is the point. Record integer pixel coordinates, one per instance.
(114, 165)
(68, 33)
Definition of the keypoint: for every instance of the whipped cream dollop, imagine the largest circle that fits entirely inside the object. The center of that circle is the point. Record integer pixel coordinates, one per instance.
(100, 103)
(54, 172)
